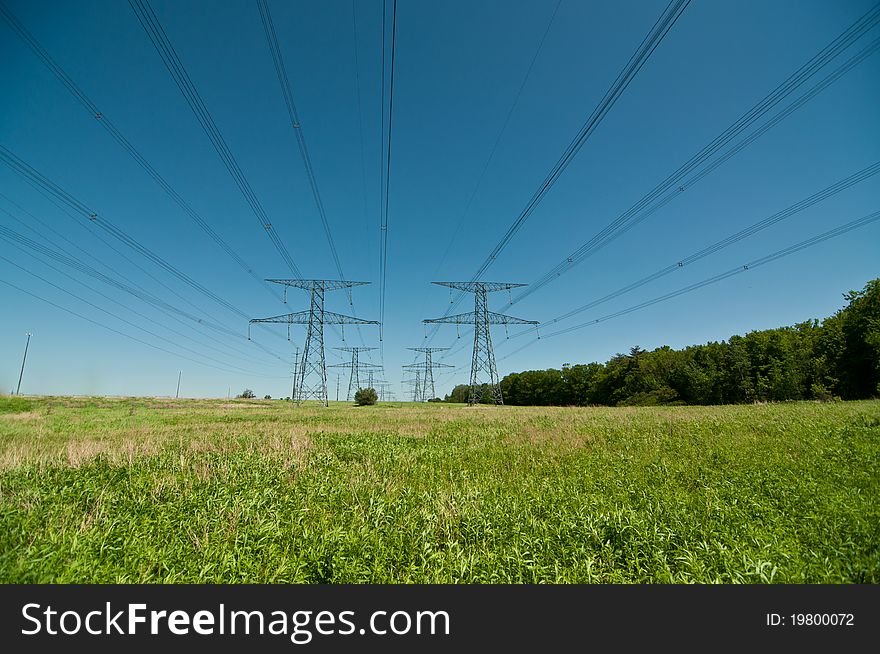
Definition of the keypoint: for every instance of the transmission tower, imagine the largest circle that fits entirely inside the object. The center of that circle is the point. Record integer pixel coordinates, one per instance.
(354, 382)
(370, 371)
(427, 386)
(416, 370)
(311, 382)
(483, 361)
(416, 385)
(383, 387)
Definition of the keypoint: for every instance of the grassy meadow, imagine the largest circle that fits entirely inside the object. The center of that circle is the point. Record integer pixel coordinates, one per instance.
(156, 490)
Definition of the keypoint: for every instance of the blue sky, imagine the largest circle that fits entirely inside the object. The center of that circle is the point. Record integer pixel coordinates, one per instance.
(458, 67)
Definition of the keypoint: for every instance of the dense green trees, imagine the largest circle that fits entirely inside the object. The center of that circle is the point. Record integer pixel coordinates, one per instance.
(839, 357)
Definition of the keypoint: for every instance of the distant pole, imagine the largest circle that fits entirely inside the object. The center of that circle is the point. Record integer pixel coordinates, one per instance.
(177, 394)
(21, 374)
(293, 383)
(337, 388)
(228, 392)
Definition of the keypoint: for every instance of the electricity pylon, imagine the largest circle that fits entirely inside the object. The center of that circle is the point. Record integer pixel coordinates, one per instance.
(483, 361)
(428, 392)
(416, 381)
(370, 371)
(354, 382)
(383, 387)
(416, 385)
(312, 371)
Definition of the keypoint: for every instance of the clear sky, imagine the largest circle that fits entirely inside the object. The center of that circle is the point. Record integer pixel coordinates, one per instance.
(458, 68)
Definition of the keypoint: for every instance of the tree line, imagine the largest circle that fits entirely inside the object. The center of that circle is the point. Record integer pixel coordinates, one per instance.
(838, 357)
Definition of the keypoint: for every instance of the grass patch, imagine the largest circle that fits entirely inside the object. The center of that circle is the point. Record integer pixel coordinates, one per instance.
(13, 404)
(137, 490)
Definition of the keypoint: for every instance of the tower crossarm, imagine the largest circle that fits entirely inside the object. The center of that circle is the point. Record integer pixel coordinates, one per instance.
(490, 317)
(322, 284)
(331, 318)
(298, 318)
(472, 287)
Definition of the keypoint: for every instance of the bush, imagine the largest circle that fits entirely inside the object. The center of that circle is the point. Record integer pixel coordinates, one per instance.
(247, 394)
(365, 396)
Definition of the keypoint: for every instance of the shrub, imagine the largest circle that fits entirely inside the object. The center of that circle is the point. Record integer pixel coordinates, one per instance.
(247, 394)
(365, 396)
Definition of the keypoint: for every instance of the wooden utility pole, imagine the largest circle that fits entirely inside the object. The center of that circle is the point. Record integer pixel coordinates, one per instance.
(23, 360)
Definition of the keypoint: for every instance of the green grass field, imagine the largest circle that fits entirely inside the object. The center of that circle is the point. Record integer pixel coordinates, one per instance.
(140, 490)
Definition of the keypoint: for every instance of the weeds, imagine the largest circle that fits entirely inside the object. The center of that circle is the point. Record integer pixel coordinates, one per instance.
(134, 490)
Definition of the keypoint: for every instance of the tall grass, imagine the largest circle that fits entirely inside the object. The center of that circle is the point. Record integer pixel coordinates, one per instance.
(137, 490)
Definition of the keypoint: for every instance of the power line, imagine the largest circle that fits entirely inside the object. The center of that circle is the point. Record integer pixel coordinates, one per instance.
(156, 33)
(649, 43)
(287, 92)
(501, 132)
(120, 318)
(171, 312)
(382, 138)
(296, 125)
(130, 288)
(751, 230)
(34, 256)
(751, 265)
(13, 236)
(126, 145)
(639, 58)
(87, 228)
(19, 240)
(39, 180)
(26, 171)
(729, 240)
(357, 84)
(383, 267)
(677, 181)
(111, 329)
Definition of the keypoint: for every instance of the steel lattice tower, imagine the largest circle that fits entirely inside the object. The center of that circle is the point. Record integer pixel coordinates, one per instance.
(354, 381)
(312, 370)
(370, 371)
(383, 387)
(416, 385)
(427, 387)
(483, 361)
